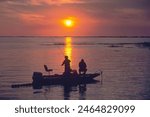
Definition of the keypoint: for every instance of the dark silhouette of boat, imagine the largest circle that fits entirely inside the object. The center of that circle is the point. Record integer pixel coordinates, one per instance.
(72, 79)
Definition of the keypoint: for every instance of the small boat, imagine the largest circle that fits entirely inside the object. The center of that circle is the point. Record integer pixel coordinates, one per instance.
(72, 79)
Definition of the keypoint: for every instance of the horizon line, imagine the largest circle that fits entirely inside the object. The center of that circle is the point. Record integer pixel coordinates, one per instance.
(103, 36)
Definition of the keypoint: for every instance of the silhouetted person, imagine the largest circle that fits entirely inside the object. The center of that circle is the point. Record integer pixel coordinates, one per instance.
(66, 63)
(82, 67)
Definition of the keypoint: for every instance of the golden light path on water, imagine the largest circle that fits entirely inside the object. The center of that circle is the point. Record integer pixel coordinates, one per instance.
(68, 47)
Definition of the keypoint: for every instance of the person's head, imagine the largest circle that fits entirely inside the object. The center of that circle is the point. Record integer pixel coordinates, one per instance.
(82, 60)
(66, 57)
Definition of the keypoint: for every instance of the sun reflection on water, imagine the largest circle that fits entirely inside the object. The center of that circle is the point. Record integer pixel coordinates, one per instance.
(68, 47)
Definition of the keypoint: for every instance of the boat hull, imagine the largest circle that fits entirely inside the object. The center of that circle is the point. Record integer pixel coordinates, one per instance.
(39, 79)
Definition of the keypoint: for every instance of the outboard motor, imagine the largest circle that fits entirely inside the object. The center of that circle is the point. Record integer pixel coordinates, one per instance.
(37, 79)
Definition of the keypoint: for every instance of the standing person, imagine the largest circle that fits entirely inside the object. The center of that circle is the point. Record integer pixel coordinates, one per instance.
(66, 63)
(82, 67)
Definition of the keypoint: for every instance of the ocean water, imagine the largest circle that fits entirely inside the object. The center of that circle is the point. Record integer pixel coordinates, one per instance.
(125, 63)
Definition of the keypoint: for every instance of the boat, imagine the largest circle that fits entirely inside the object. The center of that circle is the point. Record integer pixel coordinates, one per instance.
(72, 79)
(40, 80)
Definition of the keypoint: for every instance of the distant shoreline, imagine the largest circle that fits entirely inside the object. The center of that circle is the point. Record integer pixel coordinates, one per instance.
(87, 36)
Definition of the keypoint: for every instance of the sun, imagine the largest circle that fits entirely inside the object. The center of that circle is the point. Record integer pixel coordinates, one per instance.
(68, 22)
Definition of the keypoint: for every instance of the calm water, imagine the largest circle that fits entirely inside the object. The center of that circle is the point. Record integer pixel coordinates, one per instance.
(125, 63)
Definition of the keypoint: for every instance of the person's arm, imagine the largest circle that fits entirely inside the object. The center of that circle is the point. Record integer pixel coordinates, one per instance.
(63, 63)
(80, 65)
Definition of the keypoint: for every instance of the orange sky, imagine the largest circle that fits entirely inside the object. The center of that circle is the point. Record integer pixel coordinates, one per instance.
(50, 22)
(91, 17)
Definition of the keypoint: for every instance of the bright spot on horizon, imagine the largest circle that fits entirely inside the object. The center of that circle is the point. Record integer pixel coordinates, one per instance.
(68, 22)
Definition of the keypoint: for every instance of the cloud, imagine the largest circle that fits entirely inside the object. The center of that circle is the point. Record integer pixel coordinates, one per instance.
(32, 18)
(54, 2)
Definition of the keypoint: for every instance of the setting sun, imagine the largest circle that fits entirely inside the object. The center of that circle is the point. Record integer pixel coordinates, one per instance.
(68, 22)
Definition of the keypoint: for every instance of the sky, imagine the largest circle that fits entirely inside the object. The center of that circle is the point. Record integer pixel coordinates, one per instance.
(91, 17)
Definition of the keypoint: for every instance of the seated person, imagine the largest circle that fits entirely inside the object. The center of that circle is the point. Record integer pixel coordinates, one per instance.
(82, 67)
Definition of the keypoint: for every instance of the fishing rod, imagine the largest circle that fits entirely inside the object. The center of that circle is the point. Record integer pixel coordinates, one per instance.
(57, 45)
